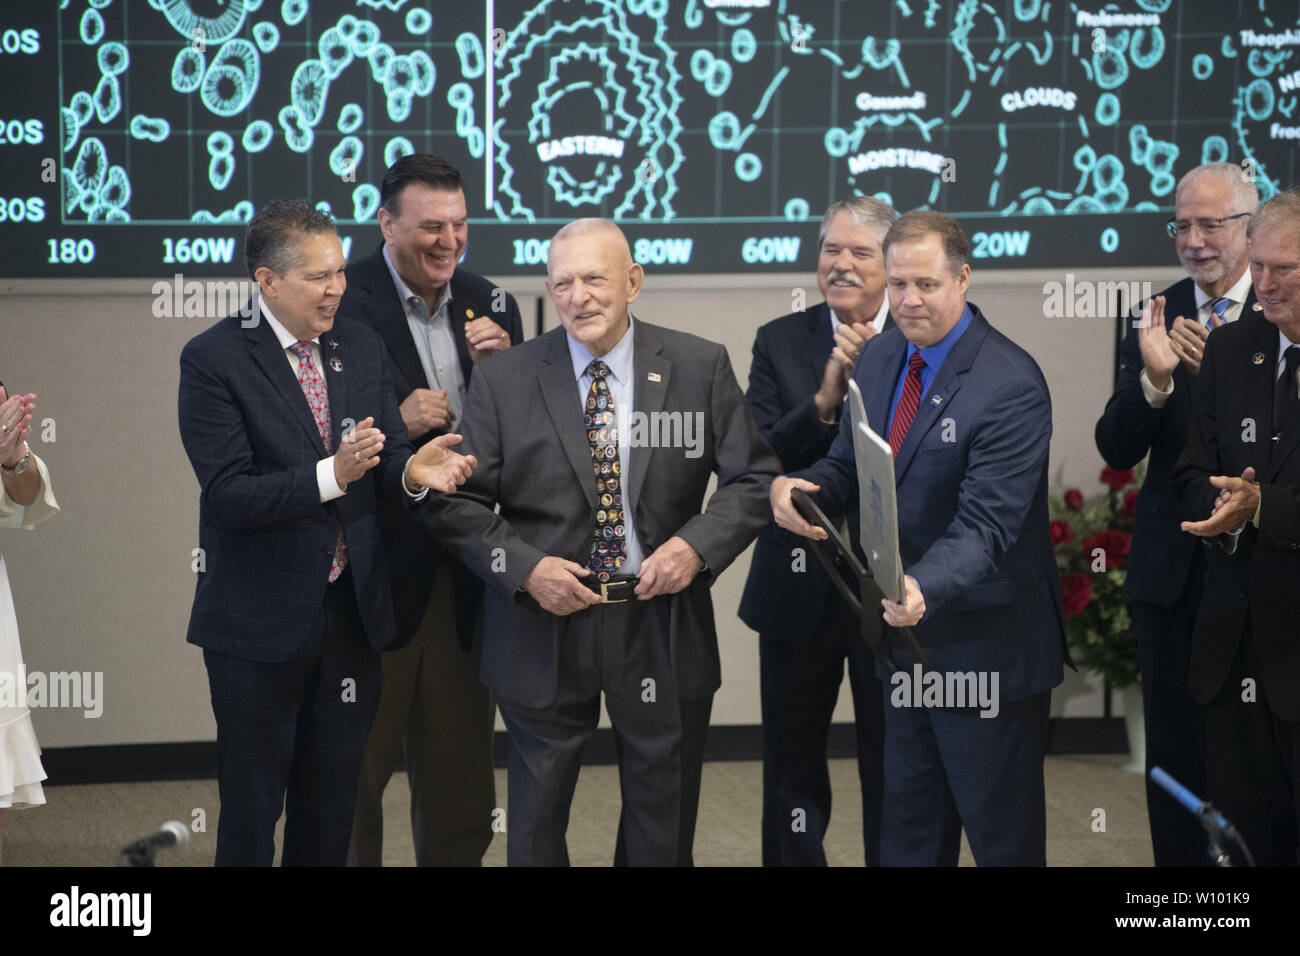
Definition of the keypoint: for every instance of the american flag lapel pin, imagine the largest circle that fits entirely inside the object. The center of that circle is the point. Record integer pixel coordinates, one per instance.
(654, 377)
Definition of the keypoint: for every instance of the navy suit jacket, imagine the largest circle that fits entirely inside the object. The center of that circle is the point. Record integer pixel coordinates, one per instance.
(414, 554)
(1259, 579)
(790, 355)
(267, 539)
(972, 511)
(1128, 429)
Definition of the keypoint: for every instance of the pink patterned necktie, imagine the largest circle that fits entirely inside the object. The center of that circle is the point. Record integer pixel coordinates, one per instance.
(313, 387)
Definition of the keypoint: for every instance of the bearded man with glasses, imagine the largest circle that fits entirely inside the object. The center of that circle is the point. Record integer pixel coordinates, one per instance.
(1151, 412)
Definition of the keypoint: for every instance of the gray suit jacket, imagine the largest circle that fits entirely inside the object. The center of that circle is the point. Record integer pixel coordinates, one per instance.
(523, 421)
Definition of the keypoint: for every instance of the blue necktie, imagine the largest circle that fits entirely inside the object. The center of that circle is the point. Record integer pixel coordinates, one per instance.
(1217, 310)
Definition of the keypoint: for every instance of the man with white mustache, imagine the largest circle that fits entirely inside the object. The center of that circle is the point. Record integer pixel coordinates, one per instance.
(806, 630)
(1150, 412)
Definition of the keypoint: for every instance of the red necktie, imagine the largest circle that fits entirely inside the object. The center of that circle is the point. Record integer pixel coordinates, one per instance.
(313, 386)
(907, 403)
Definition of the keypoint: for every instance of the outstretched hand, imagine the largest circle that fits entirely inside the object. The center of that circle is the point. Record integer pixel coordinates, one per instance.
(436, 466)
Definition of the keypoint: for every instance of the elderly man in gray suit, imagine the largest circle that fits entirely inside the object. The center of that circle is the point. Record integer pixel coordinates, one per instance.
(597, 440)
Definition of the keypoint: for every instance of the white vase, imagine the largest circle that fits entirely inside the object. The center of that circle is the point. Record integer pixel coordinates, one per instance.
(1135, 727)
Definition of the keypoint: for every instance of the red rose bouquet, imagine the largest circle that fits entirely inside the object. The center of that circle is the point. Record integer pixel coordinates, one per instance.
(1091, 538)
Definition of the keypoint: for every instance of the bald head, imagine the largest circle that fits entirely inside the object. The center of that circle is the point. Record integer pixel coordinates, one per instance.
(592, 280)
(600, 231)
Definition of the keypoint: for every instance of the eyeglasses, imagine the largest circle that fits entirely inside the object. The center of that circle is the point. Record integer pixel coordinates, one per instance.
(1208, 227)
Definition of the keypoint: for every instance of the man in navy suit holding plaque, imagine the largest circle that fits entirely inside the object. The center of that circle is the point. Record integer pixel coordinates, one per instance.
(967, 415)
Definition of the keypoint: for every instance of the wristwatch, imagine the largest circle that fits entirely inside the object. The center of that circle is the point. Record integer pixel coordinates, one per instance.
(19, 468)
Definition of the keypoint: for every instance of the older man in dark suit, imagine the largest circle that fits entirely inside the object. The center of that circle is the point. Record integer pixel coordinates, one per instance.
(439, 322)
(597, 440)
(288, 418)
(798, 380)
(1240, 481)
(1151, 412)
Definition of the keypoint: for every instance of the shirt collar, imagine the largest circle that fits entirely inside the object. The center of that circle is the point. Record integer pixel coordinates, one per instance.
(287, 338)
(1283, 343)
(933, 355)
(619, 358)
(404, 291)
(1236, 295)
(878, 323)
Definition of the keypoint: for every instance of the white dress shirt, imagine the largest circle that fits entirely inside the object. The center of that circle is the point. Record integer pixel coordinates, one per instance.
(1236, 297)
(878, 323)
(325, 480)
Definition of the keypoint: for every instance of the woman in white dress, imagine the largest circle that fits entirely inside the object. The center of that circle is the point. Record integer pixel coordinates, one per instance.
(25, 500)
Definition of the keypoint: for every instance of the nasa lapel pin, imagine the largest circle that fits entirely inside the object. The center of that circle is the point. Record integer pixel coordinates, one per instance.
(654, 377)
(1257, 307)
(936, 400)
(1257, 358)
(336, 363)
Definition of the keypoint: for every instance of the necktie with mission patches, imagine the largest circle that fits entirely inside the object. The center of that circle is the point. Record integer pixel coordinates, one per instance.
(608, 546)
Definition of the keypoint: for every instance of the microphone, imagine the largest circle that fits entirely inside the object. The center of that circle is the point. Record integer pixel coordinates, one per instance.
(1210, 818)
(140, 852)
(1214, 822)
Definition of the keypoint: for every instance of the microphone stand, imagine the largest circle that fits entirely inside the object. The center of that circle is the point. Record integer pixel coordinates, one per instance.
(1215, 824)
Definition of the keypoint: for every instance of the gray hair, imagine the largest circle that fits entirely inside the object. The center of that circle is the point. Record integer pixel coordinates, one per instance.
(867, 211)
(1282, 210)
(1245, 198)
(271, 238)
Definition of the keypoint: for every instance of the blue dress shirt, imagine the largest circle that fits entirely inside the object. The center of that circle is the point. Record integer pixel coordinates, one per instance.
(933, 356)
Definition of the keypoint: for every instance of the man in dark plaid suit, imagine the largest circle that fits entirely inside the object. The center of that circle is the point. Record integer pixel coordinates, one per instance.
(289, 421)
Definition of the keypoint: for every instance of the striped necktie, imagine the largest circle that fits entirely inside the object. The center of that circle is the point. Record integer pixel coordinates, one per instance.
(907, 403)
(1219, 307)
